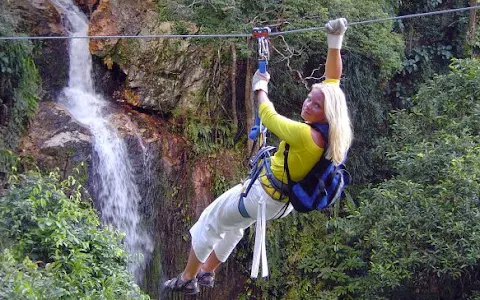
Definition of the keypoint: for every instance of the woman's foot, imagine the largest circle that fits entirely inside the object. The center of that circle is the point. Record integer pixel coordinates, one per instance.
(177, 284)
(206, 278)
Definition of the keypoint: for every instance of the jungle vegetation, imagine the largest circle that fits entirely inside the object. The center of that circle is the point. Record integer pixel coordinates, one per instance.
(408, 228)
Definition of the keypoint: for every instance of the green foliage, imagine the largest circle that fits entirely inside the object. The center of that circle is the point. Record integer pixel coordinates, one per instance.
(424, 55)
(475, 43)
(220, 185)
(309, 258)
(423, 236)
(25, 102)
(420, 228)
(430, 43)
(452, 112)
(330, 263)
(19, 84)
(54, 246)
(207, 136)
(180, 28)
(8, 161)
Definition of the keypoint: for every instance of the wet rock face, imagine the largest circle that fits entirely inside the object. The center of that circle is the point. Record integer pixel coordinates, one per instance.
(176, 186)
(87, 6)
(38, 17)
(52, 63)
(109, 83)
(55, 139)
(118, 17)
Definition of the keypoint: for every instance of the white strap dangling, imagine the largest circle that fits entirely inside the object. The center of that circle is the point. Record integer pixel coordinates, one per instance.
(260, 249)
(264, 241)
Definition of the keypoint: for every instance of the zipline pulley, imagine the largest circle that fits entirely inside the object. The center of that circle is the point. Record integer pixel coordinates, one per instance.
(262, 34)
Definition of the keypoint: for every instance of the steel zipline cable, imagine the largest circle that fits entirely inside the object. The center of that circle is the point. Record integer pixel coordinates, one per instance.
(438, 12)
(233, 35)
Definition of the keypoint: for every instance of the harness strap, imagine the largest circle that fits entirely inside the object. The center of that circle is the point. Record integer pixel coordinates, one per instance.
(260, 161)
(276, 184)
(323, 129)
(339, 191)
(260, 248)
(257, 164)
(242, 209)
(285, 166)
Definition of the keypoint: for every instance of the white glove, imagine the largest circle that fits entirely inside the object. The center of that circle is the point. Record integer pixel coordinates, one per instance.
(336, 29)
(260, 81)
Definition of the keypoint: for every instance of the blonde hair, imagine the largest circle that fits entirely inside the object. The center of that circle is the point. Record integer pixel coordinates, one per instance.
(340, 134)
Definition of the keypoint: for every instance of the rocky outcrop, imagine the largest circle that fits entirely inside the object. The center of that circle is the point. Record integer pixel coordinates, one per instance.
(3, 113)
(38, 17)
(101, 23)
(161, 74)
(56, 140)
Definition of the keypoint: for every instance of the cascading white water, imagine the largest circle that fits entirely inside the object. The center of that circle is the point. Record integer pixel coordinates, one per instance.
(116, 191)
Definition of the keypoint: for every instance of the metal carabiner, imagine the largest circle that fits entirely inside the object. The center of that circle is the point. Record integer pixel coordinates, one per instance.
(261, 34)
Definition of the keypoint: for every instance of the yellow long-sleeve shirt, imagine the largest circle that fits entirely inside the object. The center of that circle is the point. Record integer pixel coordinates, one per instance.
(303, 154)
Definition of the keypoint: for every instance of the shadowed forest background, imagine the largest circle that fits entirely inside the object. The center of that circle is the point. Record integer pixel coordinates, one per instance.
(408, 227)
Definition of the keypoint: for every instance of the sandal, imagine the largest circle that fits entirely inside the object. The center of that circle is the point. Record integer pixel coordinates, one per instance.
(206, 278)
(189, 287)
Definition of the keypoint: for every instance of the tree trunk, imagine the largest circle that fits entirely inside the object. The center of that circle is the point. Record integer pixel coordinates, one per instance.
(234, 85)
(472, 24)
(249, 101)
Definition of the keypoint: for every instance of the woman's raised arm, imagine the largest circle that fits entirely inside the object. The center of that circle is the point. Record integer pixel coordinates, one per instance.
(335, 30)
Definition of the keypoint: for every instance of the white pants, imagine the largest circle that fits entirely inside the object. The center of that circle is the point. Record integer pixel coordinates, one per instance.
(221, 226)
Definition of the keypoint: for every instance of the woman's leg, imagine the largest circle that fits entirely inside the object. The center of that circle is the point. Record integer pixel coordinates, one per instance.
(206, 276)
(220, 216)
(211, 264)
(216, 221)
(192, 267)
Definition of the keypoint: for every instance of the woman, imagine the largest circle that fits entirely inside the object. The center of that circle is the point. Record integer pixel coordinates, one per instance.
(221, 225)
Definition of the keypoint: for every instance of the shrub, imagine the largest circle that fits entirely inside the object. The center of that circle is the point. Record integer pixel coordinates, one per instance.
(54, 246)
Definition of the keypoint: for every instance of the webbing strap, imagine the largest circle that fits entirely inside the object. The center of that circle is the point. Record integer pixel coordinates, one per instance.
(278, 185)
(260, 248)
(257, 164)
(323, 129)
(241, 208)
(285, 165)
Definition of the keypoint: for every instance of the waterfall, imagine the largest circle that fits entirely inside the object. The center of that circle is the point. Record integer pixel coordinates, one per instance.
(115, 191)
